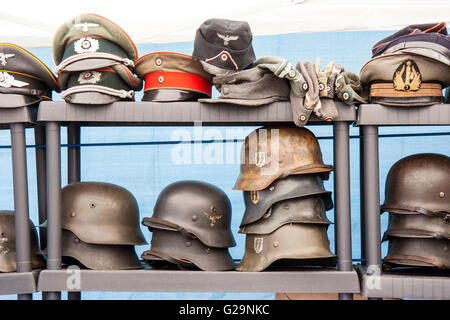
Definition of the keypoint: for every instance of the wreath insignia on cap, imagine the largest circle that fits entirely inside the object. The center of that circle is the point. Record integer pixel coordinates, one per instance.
(407, 77)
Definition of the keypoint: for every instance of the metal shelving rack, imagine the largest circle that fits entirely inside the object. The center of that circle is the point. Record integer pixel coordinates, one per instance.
(342, 280)
(374, 282)
(23, 282)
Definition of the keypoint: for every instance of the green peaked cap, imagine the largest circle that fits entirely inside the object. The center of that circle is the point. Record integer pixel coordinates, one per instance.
(96, 27)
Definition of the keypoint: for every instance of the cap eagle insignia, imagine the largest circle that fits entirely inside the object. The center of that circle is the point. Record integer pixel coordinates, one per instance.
(212, 219)
(4, 56)
(227, 39)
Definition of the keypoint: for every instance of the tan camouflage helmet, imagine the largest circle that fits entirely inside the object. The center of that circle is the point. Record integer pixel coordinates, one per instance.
(295, 241)
(101, 213)
(272, 153)
(8, 244)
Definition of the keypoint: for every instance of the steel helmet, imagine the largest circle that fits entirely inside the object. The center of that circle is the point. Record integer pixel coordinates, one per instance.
(418, 252)
(196, 208)
(98, 256)
(272, 153)
(8, 244)
(257, 203)
(298, 210)
(175, 248)
(291, 241)
(101, 213)
(417, 225)
(419, 183)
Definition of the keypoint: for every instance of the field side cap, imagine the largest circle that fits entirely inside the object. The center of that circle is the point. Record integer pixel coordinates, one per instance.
(173, 245)
(24, 79)
(251, 87)
(270, 153)
(291, 241)
(224, 43)
(197, 208)
(257, 203)
(101, 213)
(8, 252)
(419, 183)
(310, 209)
(418, 252)
(99, 256)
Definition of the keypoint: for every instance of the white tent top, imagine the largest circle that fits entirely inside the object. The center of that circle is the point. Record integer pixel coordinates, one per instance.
(33, 23)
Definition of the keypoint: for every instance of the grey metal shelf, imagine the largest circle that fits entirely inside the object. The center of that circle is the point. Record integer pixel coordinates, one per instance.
(379, 115)
(55, 114)
(177, 113)
(18, 282)
(392, 284)
(324, 281)
(398, 285)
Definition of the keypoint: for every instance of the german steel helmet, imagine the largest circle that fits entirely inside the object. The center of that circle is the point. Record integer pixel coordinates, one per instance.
(419, 183)
(272, 153)
(8, 243)
(257, 203)
(291, 241)
(194, 208)
(175, 248)
(417, 225)
(98, 256)
(298, 210)
(101, 213)
(171, 76)
(419, 252)
(24, 79)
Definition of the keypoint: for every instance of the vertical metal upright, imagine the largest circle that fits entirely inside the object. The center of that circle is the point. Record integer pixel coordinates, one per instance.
(41, 176)
(21, 209)
(73, 171)
(53, 137)
(372, 201)
(362, 204)
(342, 199)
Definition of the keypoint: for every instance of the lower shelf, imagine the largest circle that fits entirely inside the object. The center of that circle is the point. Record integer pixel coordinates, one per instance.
(401, 284)
(324, 281)
(18, 283)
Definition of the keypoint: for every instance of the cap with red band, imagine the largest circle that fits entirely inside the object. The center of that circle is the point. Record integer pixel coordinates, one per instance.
(171, 76)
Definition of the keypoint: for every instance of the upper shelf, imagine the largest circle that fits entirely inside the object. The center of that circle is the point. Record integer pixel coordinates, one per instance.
(376, 114)
(178, 113)
(17, 115)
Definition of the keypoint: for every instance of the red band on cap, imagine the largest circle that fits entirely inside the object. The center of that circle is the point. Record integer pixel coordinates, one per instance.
(177, 80)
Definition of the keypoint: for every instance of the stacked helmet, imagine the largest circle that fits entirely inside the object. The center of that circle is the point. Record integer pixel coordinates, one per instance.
(8, 243)
(285, 200)
(95, 61)
(416, 197)
(100, 220)
(197, 213)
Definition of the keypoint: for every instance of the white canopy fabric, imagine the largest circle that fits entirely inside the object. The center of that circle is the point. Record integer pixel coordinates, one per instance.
(33, 23)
